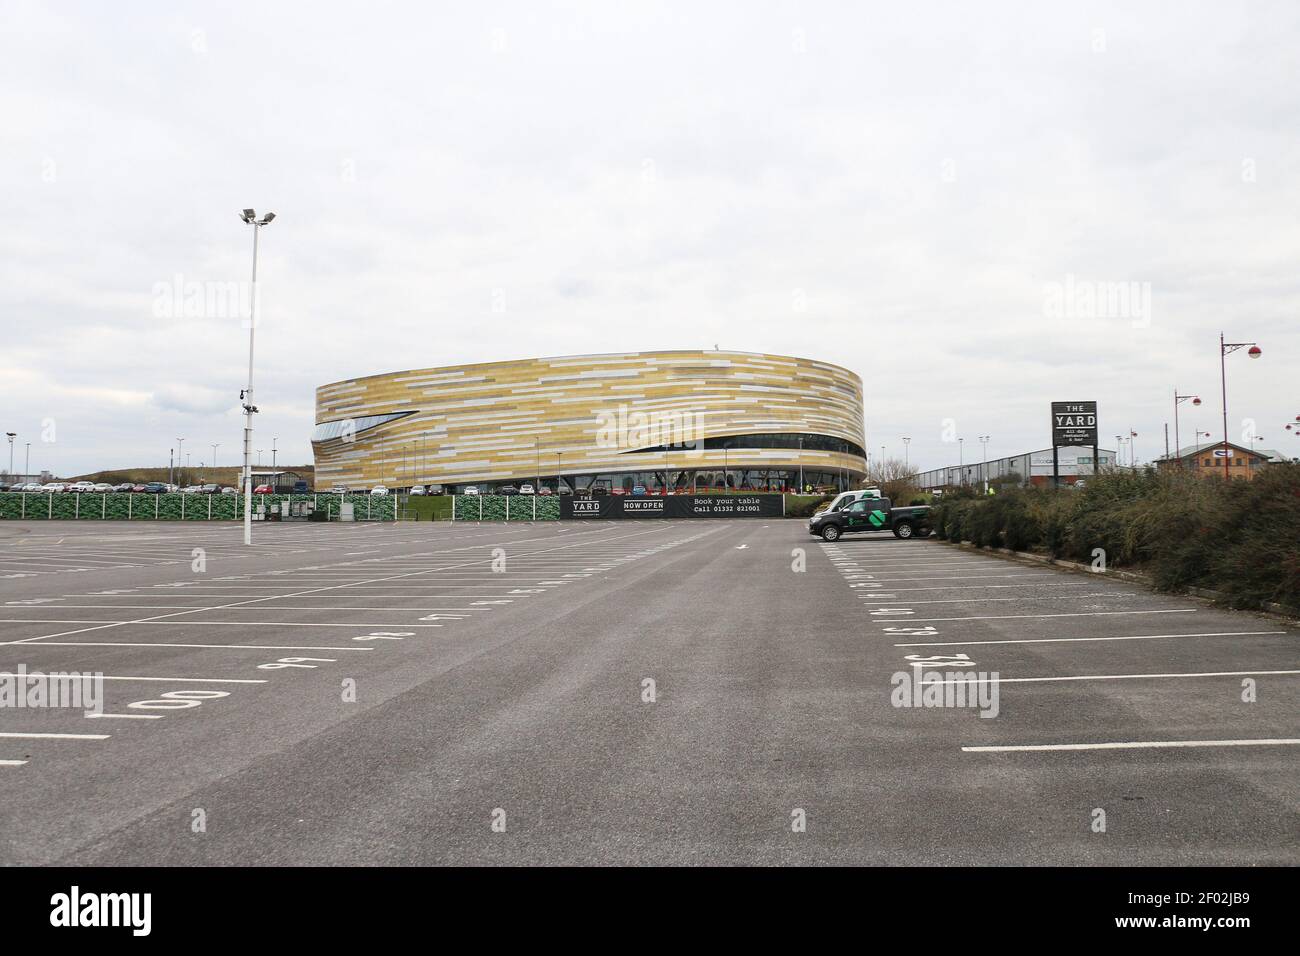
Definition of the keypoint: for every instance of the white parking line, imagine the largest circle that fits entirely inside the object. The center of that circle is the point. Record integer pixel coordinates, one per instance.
(242, 647)
(12, 763)
(1038, 680)
(25, 736)
(173, 680)
(1070, 640)
(1137, 745)
(1008, 617)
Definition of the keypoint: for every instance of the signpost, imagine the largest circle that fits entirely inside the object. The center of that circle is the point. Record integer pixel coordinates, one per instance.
(1073, 423)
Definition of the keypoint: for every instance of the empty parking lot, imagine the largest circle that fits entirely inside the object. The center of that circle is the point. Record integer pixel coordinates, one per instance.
(617, 692)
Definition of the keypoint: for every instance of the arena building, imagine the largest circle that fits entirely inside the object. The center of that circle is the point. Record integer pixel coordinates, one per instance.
(665, 420)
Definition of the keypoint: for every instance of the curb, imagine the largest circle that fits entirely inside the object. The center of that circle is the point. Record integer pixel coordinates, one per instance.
(1136, 577)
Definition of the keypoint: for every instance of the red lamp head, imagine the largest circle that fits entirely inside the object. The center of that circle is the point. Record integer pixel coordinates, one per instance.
(1254, 351)
(1196, 401)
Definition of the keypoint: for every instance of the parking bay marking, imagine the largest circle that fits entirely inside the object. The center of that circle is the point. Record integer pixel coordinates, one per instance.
(1136, 745)
(1068, 640)
(1006, 617)
(182, 680)
(1039, 680)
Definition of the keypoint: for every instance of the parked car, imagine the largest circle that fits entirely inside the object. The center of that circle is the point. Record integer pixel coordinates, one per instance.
(4, 486)
(82, 486)
(526, 489)
(619, 491)
(190, 490)
(52, 486)
(417, 489)
(122, 486)
(229, 490)
(210, 489)
(472, 490)
(379, 490)
(263, 490)
(545, 492)
(435, 490)
(32, 487)
(339, 490)
(101, 487)
(638, 489)
(508, 490)
(139, 488)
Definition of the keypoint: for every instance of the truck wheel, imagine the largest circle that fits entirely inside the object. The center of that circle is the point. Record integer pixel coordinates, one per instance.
(903, 529)
(831, 533)
(923, 533)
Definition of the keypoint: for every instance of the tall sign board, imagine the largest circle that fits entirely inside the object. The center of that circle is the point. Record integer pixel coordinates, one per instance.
(1073, 424)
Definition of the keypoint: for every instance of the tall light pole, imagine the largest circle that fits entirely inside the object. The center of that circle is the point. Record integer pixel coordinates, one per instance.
(906, 465)
(557, 472)
(961, 460)
(273, 441)
(180, 450)
(215, 446)
(984, 469)
(1225, 349)
(1132, 447)
(1178, 400)
(27, 460)
(259, 457)
(246, 396)
(1119, 452)
(11, 436)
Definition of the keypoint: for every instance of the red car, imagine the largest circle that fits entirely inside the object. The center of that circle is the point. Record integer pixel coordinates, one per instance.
(263, 490)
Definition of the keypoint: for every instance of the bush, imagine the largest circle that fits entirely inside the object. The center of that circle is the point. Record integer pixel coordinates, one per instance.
(1241, 538)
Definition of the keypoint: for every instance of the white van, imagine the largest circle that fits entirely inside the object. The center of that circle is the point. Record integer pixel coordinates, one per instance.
(844, 499)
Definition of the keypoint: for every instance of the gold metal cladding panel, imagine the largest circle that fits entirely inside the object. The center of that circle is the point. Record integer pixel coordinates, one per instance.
(509, 420)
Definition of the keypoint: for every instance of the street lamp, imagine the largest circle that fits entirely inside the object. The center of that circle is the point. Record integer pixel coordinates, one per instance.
(906, 442)
(1178, 400)
(1132, 451)
(180, 450)
(215, 446)
(273, 441)
(984, 468)
(11, 436)
(1225, 349)
(246, 396)
(961, 460)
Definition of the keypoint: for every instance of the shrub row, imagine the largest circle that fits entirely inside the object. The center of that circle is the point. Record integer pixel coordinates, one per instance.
(1240, 538)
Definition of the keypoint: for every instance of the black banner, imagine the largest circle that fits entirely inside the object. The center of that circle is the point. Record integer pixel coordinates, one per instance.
(671, 506)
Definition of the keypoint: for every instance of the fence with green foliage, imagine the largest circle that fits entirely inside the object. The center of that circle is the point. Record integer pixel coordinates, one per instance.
(177, 507)
(506, 508)
(1239, 538)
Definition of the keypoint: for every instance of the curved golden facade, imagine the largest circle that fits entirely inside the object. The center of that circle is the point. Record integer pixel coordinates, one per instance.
(663, 418)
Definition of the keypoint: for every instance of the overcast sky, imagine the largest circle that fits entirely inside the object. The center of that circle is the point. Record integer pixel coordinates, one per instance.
(928, 194)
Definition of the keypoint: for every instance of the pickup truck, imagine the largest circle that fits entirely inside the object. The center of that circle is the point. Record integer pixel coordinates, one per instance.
(872, 514)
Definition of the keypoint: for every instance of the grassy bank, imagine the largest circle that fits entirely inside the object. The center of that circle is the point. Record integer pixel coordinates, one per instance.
(1240, 538)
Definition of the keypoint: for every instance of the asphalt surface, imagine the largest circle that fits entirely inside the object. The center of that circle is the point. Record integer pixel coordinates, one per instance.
(501, 712)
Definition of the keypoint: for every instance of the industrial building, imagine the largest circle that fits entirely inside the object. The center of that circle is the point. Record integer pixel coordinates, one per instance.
(1033, 467)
